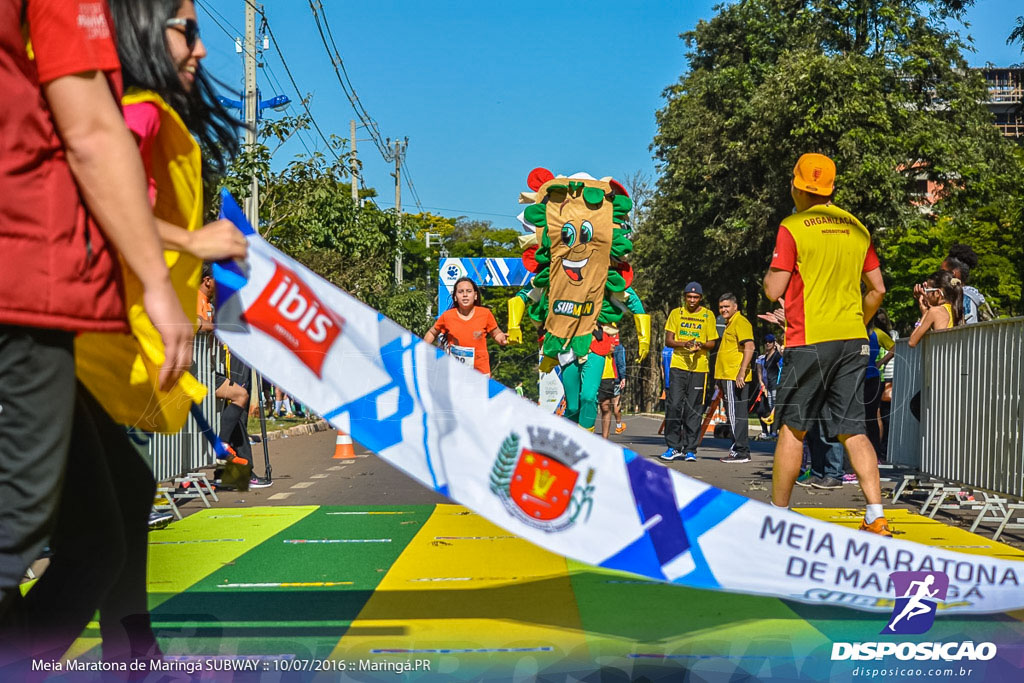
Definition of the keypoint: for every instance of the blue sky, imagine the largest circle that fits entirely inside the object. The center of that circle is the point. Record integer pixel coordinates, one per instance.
(486, 91)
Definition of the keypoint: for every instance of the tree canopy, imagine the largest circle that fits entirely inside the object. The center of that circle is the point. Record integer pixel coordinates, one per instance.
(882, 87)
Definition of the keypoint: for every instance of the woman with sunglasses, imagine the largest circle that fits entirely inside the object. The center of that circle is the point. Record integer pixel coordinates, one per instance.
(941, 299)
(171, 108)
(943, 295)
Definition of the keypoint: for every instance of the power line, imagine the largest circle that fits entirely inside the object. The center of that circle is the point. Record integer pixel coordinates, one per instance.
(284, 63)
(302, 101)
(378, 200)
(409, 184)
(233, 36)
(345, 82)
(300, 133)
(316, 7)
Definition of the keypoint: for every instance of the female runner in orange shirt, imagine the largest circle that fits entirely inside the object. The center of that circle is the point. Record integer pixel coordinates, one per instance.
(466, 325)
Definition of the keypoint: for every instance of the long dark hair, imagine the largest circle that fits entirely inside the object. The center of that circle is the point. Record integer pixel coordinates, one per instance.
(952, 291)
(146, 64)
(881, 321)
(476, 288)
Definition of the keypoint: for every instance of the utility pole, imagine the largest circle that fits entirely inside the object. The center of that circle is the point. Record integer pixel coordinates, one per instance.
(399, 151)
(437, 237)
(354, 162)
(252, 207)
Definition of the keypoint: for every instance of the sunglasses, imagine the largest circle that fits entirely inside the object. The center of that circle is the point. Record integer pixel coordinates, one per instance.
(190, 27)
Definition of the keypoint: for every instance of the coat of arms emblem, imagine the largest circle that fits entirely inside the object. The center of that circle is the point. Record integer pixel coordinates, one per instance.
(540, 485)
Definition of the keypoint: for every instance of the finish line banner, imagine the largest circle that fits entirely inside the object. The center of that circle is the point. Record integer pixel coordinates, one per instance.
(544, 478)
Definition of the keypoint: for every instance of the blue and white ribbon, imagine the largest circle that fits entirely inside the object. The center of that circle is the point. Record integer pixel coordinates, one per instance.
(542, 477)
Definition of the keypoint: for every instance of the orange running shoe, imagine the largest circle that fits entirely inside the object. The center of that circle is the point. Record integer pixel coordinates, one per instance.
(880, 526)
(621, 427)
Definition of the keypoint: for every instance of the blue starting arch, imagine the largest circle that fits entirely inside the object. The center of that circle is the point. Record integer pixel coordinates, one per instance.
(486, 272)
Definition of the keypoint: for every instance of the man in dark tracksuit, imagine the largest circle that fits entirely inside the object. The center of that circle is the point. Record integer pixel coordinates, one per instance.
(732, 372)
(690, 332)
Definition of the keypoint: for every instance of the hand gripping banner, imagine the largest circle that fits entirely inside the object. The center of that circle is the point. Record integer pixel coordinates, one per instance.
(542, 477)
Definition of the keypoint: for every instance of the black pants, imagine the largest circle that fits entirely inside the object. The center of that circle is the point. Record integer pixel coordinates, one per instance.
(684, 410)
(872, 401)
(99, 547)
(37, 398)
(234, 420)
(735, 402)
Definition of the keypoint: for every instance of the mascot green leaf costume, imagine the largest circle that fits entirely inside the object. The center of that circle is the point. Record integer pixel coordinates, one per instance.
(581, 289)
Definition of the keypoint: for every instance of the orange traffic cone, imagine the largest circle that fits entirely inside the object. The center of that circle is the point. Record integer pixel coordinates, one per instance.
(343, 449)
(716, 414)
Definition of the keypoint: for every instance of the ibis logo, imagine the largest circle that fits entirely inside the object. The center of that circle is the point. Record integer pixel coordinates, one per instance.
(289, 311)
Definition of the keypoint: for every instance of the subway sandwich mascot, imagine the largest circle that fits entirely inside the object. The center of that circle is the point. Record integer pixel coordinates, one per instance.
(577, 245)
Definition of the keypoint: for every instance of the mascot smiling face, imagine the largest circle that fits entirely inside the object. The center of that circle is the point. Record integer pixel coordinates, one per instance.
(580, 232)
(576, 220)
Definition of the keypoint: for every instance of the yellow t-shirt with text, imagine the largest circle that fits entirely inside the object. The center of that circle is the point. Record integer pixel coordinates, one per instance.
(699, 326)
(730, 351)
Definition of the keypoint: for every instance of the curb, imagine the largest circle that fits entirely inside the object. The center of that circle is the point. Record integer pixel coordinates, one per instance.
(299, 430)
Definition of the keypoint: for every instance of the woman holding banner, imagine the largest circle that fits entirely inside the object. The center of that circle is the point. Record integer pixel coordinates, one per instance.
(171, 109)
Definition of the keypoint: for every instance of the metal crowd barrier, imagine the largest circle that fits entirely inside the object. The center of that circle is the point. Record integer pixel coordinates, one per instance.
(971, 434)
(972, 406)
(175, 454)
(904, 437)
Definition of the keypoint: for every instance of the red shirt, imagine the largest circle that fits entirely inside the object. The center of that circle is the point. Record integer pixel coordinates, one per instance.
(467, 339)
(59, 272)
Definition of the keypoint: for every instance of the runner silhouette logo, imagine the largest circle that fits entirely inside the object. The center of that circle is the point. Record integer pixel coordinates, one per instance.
(917, 594)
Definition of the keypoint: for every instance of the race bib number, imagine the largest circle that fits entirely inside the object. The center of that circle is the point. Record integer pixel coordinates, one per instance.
(463, 354)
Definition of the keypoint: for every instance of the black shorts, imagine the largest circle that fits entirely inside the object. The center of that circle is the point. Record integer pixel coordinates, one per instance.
(606, 390)
(824, 381)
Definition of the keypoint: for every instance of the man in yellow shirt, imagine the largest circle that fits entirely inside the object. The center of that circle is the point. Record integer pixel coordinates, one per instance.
(822, 255)
(732, 372)
(690, 332)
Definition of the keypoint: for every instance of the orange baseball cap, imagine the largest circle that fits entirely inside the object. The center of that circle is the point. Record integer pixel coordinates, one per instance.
(814, 173)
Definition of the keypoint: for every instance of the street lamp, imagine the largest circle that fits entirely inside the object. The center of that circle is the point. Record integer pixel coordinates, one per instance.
(277, 103)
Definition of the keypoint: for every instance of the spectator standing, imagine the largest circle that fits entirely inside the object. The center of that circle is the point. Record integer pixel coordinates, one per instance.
(62, 141)
(619, 357)
(826, 471)
(822, 254)
(235, 387)
(941, 300)
(733, 375)
(878, 340)
(960, 262)
(942, 304)
(690, 332)
(606, 391)
(769, 367)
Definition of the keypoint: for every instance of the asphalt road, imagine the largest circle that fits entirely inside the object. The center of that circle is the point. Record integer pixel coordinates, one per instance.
(305, 473)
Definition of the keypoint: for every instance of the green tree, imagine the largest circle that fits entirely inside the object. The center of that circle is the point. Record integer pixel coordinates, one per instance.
(881, 86)
(306, 211)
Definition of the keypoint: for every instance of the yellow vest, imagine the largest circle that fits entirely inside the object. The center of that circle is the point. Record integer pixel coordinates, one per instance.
(122, 370)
